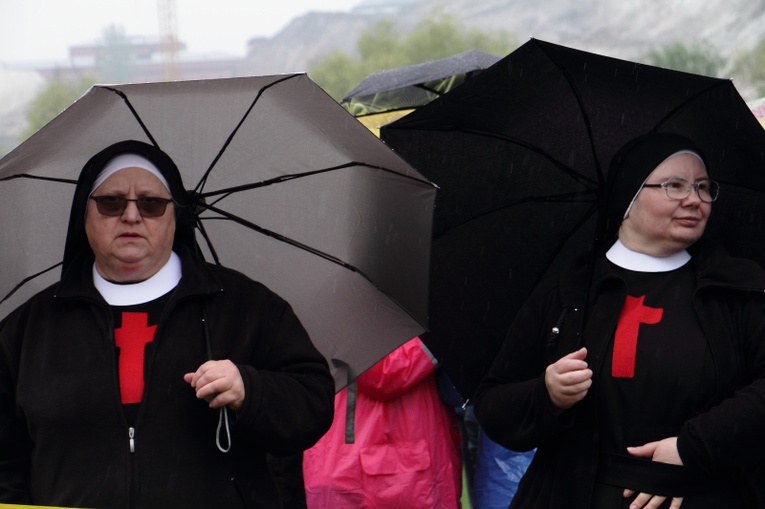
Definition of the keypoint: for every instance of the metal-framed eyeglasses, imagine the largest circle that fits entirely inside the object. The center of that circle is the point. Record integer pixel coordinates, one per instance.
(678, 188)
(148, 206)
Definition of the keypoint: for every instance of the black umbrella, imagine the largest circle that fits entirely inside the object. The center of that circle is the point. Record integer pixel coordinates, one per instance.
(290, 190)
(403, 88)
(521, 152)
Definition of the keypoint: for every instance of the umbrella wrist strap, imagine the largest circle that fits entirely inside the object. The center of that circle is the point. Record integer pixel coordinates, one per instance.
(223, 423)
(223, 415)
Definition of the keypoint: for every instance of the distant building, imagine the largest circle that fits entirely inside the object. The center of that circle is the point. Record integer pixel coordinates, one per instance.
(142, 60)
(140, 49)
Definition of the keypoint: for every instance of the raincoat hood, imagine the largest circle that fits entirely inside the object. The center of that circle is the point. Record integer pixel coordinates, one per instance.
(76, 238)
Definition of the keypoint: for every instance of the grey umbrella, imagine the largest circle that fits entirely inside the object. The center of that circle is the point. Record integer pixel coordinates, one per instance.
(290, 190)
(411, 86)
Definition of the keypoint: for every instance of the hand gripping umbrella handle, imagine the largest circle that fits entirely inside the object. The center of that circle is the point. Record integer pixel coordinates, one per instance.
(223, 422)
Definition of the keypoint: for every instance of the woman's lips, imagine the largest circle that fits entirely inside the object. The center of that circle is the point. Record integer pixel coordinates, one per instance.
(688, 220)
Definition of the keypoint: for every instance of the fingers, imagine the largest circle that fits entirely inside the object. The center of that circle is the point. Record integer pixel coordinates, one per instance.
(220, 382)
(568, 379)
(580, 354)
(664, 451)
(647, 501)
(643, 451)
(676, 503)
(572, 366)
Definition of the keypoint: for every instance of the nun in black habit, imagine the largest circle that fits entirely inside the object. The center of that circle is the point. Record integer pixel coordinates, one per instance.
(639, 374)
(147, 377)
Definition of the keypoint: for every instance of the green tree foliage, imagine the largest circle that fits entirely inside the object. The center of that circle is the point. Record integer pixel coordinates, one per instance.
(335, 71)
(384, 46)
(698, 57)
(114, 65)
(750, 68)
(54, 98)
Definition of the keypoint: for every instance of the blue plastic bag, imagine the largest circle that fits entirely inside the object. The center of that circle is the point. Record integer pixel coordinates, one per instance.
(497, 474)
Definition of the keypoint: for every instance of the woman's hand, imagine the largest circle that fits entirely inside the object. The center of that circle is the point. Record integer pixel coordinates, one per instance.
(568, 379)
(220, 380)
(663, 451)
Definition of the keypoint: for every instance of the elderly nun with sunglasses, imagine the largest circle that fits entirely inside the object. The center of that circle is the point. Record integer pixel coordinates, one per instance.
(639, 374)
(147, 377)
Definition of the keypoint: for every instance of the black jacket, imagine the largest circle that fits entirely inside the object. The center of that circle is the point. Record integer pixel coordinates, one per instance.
(513, 406)
(64, 439)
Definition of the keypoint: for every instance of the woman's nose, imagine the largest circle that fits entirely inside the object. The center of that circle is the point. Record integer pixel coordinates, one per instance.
(131, 213)
(693, 198)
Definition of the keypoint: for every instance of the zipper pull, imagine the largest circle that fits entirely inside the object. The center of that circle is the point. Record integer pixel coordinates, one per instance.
(131, 435)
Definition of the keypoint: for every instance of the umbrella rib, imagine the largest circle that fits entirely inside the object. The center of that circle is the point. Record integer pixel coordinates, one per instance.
(230, 138)
(26, 280)
(718, 83)
(203, 231)
(582, 197)
(38, 177)
(135, 113)
(423, 86)
(577, 177)
(282, 238)
(585, 117)
(590, 265)
(293, 176)
(565, 238)
(299, 245)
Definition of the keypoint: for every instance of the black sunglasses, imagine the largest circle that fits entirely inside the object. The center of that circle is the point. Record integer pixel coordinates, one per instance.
(148, 206)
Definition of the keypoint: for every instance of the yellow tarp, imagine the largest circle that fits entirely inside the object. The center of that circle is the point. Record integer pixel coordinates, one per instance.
(374, 122)
(14, 506)
(758, 108)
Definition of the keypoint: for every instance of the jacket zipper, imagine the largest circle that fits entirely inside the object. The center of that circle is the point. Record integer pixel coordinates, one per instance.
(131, 439)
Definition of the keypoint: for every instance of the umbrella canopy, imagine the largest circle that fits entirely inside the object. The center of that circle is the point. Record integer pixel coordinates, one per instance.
(404, 88)
(290, 190)
(521, 153)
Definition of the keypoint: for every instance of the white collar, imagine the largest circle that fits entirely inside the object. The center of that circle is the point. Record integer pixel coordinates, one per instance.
(145, 291)
(625, 258)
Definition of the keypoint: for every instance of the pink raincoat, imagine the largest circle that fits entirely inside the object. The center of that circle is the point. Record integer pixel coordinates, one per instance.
(393, 443)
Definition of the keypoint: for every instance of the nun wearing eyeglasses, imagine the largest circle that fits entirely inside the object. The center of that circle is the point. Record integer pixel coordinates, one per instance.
(147, 377)
(639, 375)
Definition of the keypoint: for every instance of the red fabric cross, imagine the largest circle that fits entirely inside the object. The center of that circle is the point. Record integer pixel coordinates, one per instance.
(131, 339)
(625, 343)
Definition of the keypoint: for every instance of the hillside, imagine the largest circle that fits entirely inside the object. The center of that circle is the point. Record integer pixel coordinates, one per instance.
(619, 28)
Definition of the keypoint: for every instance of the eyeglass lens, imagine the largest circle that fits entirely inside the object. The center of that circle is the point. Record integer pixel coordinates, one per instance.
(679, 189)
(148, 206)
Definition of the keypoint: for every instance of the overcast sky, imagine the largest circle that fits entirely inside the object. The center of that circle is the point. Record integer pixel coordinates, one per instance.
(43, 30)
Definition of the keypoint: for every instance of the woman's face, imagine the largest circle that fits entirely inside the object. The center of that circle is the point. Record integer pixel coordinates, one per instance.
(660, 226)
(129, 247)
